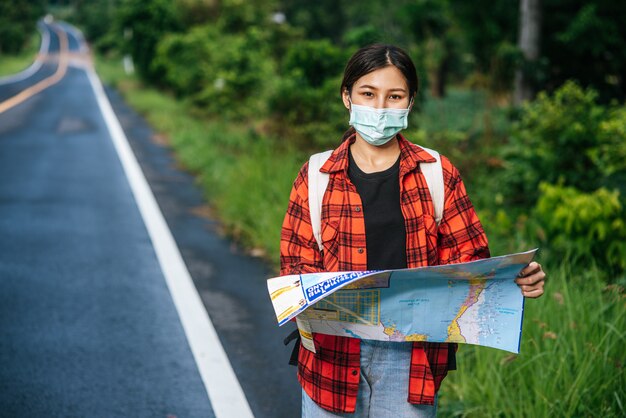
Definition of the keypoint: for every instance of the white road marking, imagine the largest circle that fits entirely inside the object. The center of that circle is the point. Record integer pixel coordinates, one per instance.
(225, 393)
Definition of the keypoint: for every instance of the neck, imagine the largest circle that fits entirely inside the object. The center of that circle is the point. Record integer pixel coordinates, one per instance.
(370, 158)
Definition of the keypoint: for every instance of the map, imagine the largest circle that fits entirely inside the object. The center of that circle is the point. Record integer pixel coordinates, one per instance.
(472, 303)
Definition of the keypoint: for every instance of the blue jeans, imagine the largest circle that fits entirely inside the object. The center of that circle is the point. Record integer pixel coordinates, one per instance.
(383, 387)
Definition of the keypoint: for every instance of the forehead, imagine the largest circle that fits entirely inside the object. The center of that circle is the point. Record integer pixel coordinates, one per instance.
(384, 78)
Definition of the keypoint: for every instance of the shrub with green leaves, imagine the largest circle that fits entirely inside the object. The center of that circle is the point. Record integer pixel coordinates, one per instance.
(610, 154)
(552, 142)
(588, 227)
(144, 23)
(306, 104)
(220, 72)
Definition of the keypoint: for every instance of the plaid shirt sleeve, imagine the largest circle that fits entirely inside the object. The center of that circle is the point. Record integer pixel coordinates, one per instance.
(298, 249)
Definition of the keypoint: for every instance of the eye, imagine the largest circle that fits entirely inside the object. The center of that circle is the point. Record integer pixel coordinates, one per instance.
(395, 97)
(368, 94)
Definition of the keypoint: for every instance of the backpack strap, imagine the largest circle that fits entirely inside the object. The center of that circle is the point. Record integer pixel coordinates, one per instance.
(318, 182)
(433, 173)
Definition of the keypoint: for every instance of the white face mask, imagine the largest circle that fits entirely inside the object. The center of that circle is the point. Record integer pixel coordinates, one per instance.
(378, 126)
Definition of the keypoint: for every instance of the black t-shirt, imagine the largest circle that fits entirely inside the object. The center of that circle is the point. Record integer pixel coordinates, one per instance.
(385, 232)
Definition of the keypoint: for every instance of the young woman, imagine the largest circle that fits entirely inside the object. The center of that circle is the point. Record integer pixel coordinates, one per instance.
(377, 213)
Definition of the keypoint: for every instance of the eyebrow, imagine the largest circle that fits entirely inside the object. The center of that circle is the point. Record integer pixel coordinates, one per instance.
(367, 86)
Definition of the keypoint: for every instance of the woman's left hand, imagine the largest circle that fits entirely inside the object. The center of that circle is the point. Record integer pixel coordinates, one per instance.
(531, 280)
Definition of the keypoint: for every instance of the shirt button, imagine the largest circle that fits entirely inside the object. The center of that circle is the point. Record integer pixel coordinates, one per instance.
(357, 209)
(360, 250)
(355, 372)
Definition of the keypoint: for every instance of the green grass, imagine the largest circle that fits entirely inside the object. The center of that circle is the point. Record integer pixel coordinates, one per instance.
(12, 64)
(571, 362)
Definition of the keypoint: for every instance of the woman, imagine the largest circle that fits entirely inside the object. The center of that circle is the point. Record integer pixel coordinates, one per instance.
(377, 213)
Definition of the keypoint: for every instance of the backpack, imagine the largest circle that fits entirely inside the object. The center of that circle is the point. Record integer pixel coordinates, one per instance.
(318, 182)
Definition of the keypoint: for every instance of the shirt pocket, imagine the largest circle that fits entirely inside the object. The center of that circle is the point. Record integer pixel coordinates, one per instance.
(330, 244)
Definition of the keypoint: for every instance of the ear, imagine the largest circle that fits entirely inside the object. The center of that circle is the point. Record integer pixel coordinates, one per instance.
(345, 96)
(411, 103)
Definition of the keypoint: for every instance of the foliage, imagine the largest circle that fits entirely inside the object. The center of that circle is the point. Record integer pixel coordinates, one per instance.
(95, 17)
(610, 154)
(552, 142)
(489, 32)
(313, 62)
(216, 70)
(12, 64)
(17, 23)
(143, 23)
(238, 15)
(315, 18)
(485, 25)
(197, 12)
(587, 227)
(306, 105)
(586, 41)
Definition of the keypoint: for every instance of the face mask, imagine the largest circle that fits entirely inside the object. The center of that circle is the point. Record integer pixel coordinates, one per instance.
(378, 126)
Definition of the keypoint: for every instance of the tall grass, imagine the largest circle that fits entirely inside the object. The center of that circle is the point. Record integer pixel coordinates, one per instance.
(571, 362)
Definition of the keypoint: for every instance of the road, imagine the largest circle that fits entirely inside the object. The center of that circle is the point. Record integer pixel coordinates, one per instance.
(106, 310)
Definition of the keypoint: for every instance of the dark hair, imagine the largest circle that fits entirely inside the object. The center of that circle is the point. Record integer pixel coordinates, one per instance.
(374, 57)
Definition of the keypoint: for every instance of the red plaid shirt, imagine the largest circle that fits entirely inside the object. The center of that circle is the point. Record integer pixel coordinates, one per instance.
(331, 376)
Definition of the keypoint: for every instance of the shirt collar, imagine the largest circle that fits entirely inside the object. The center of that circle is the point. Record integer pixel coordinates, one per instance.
(410, 156)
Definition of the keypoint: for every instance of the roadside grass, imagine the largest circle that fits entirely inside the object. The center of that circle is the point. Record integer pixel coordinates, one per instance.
(13, 64)
(245, 176)
(571, 361)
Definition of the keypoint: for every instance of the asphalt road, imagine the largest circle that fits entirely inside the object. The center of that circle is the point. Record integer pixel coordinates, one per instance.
(88, 326)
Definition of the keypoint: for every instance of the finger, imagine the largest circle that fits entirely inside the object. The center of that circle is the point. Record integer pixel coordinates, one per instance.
(532, 279)
(533, 293)
(533, 267)
(530, 288)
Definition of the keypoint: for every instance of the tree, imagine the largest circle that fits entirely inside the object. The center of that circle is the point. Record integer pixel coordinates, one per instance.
(528, 42)
(586, 42)
(488, 32)
(17, 23)
(429, 22)
(145, 23)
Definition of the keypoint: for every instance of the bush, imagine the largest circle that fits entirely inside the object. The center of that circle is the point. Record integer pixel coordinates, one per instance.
(225, 73)
(588, 227)
(311, 117)
(313, 61)
(306, 105)
(610, 154)
(17, 23)
(144, 24)
(552, 142)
